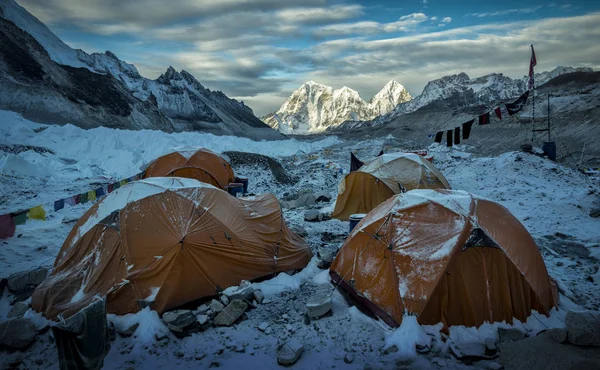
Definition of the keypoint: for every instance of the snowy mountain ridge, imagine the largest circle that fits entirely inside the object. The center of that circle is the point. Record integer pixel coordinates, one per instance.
(180, 101)
(314, 107)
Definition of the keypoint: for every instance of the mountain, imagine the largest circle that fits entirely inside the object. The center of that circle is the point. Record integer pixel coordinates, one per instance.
(45, 80)
(462, 91)
(314, 107)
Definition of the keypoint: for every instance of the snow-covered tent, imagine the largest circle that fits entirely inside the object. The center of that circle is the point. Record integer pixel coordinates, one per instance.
(200, 164)
(379, 179)
(445, 256)
(164, 242)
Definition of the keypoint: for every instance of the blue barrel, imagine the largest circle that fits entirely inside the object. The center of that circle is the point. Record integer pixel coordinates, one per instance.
(244, 181)
(549, 148)
(235, 188)
(355, 219)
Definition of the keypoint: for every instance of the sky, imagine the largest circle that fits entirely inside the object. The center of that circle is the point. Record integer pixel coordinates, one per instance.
(260, 51)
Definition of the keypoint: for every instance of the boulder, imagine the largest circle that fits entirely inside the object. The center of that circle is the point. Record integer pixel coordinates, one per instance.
(556, 334)
(326, 255)
(289, 352)
(348, 358)
(182, 322)
(22, 281)
(318, 305)
(583, 328)
(313, 215)
(258, 296)
(127, 332)
(203, 319)
(18, 310)
(490, 346)
(299, 230)
(302, 199)
(231, 313)
(595, 213)
(263, 326)
(263, 161)
(17, 333)
(224, 300)
(216, 306)
(506, 335)
(245, 292)
(203, 309)
(322, 197)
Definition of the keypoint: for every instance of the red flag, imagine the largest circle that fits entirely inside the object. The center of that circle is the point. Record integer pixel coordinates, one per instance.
(498, 112)
(532, 63)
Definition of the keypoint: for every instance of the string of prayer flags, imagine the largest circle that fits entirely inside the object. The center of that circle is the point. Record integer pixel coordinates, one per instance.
(438, 137)
(498, 113)
(59, 204)
(99, 192)
(7, 226)
(484, 119)
(20, 217)
(466, 129)
(449, 137)
(37, 213)
(518, 104)
(456, 135)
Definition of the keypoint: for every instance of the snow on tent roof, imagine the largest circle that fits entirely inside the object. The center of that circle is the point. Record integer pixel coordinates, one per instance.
(132, 192)
(383, 159)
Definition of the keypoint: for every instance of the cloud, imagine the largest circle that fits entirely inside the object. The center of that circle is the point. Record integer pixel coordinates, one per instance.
(505, 12)
(446, 20)
(403, 24)
(434, 18)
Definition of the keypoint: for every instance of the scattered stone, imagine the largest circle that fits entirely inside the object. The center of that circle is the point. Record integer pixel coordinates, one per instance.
(289, 352)
(313, 215)
(224, 300)
(128, 331)
(506, 335)
(583, 328)
(558, 335)
(18, 310)
(391, 349)
(318, 305)
(422, 348)
(595, 213)
(470, 351)
(263, 326)
(258, 296)
(245, 292)
(322, 197)
(348, 358)
(285, 316)
(268, 331)
(28, 279)
(494, 366)
(202, 319)
(559, 263)
(215, 363)
(231, 313)
(203, 309)
(490, 346)
(326, 255)
(199, 356)
(299, 230)
(17, 333)
(179, 354)
(216, 306)
(182, 322)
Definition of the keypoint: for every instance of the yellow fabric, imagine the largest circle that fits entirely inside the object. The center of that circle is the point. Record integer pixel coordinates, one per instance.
(123, 182)
(91, 195)
(37, 213)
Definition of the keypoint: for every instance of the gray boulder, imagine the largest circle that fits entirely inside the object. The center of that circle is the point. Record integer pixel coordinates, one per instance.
(595, 213)
(22, 281)
(127, 332)
(258, 296)
(216, 306)
(556, 334)
(299, 230)
(289, 352)
(18, 310)
(583, 328)
(243, 292)
(182, 322)
(17, 333)
(318, 305)
(326, 255)
(231, 313)
(313, 215)
(506, 335)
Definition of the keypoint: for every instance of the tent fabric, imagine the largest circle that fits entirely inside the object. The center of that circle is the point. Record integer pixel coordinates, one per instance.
(83, 339)
(164, 242)
(398, 172)
(446, 256)
(201, 164)
(355, 163)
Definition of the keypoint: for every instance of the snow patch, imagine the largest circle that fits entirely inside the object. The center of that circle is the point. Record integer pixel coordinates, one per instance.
(407, 337)
(150, 325)
(283, 281)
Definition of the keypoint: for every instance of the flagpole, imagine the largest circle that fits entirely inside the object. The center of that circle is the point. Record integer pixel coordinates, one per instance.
(532, 63)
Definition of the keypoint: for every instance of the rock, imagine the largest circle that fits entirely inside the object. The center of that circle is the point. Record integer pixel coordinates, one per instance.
(583, 328)
(506, 335)
(202, 319)
(203, 309)
(299, 230)
(17, 333)
(440, 361)
(231, 313)
(494, 366)
(313, 215)
(322, 197)
(224, 300)
(258, 296)
(490, 346)
(318, 305)
(243, 293)
(290, 352)
(263, 326)
(556, 334)
(348, 358)
(199, 356)
(391, 349)
(326, 255)
(128, 331)
(182, 322)
(269, 330)
(595, 213)
(18, 310)
(285, 316)
(26, 280)
(216, 306)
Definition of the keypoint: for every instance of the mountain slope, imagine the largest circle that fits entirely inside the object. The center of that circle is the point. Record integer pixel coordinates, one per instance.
(175, 101)
(314, 107)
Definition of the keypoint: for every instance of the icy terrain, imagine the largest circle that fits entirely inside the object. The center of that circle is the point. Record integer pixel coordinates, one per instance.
(39, 164)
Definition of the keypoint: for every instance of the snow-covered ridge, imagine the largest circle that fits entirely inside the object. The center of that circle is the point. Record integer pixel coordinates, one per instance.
(315, 107)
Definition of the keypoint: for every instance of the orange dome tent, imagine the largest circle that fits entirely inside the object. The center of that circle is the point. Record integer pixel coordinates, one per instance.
(164, 242)
(445, 256)
(200, 164)
(378, 180)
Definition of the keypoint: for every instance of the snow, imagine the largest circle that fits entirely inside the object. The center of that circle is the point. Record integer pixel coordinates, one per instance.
(284, 282)
(407, 337)
(150, 325)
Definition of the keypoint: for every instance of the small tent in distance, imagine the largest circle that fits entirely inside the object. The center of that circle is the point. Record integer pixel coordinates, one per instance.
(163, 242)
(445, 256)
(199, 164)
(379, 179)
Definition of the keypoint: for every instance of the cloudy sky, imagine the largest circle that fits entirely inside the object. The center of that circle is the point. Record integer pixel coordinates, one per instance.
(259, 51)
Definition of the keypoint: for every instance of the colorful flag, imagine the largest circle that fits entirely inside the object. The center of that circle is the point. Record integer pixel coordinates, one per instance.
(59, 204)
(36, 213)
(91, 195)
(449, 137)
(456, 135)
(77, 199)
(498, 113)
(116, 185)
(518, 104)
(20, 217)
(431, 136)
(70, 201)
(99, 193)
(110, 188)
(7, 226)
(83, 197)
(532, 63)
(123, 182)
(439, 136)
(484, 119)
(466, 129)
